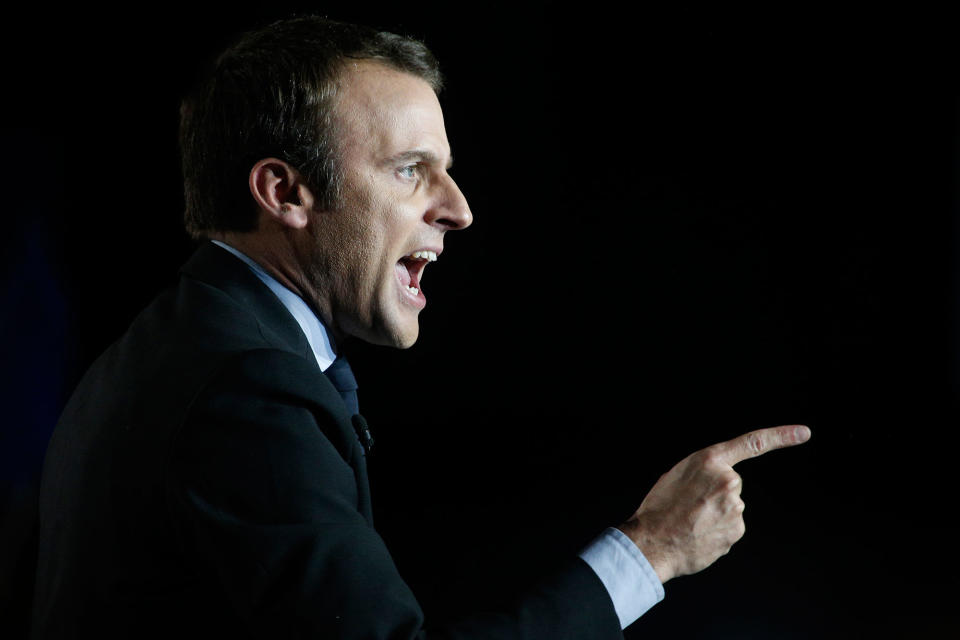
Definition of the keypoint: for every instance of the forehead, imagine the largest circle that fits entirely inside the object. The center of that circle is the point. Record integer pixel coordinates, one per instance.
(381, 112)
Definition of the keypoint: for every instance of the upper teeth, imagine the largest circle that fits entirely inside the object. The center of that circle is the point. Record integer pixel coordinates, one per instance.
(430, 256)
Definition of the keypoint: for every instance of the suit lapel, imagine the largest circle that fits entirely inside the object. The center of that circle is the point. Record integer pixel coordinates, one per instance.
(220, 269)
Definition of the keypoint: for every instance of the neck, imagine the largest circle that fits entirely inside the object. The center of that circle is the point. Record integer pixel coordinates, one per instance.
(281, 257)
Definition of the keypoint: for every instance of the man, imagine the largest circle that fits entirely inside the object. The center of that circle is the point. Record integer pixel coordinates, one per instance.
(208, 476)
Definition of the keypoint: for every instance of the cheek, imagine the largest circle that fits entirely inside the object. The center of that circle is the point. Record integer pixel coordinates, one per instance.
(377, 244)
(367, 237)
(369, 271)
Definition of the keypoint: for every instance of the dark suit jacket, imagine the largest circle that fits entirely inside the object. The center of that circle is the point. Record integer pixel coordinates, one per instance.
(205, 481)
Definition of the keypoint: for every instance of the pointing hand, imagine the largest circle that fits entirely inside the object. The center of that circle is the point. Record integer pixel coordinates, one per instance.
(694, 514)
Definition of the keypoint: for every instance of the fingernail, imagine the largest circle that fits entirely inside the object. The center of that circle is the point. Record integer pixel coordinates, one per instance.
(802, 433)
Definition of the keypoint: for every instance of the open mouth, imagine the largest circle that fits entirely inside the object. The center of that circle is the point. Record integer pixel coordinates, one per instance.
(410, 269)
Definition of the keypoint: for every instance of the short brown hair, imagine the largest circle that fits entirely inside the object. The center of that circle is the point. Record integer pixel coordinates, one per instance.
(271, 95)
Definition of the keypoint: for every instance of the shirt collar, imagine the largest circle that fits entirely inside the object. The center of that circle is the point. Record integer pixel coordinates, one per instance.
(323, 348)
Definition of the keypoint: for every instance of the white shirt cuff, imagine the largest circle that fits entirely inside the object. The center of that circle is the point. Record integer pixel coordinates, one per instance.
(632, 583)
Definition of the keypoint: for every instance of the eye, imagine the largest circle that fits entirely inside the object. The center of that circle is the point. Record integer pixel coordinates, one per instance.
(409, 172)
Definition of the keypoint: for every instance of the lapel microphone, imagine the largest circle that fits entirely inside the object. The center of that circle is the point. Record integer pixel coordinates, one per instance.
(363, 432)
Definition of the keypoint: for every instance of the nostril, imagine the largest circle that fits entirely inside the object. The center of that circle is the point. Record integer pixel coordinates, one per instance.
(460, 218)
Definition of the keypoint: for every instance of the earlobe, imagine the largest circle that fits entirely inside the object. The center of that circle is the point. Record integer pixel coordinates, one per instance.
(280, 192)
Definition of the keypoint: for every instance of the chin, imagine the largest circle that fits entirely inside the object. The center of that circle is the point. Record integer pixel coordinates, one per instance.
(400, 327)
(407, 339)
(399, 336)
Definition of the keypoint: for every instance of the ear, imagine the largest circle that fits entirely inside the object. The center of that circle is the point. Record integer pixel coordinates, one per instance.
(281, 193)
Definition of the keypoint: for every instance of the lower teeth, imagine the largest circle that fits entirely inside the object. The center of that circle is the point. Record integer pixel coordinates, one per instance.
(413, 290)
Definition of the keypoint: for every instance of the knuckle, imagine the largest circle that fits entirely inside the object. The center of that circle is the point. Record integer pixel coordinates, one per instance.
(708, 457)
(728, 483)
(732, 502)
(756, 443)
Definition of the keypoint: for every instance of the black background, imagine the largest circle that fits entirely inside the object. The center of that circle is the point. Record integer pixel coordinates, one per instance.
(689, 223)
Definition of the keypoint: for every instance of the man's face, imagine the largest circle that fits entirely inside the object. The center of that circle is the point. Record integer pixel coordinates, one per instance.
(371, 249)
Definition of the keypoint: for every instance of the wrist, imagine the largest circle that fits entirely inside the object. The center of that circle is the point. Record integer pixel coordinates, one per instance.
(654, 552)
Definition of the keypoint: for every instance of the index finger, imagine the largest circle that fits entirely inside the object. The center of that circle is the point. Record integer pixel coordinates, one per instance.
(756, 443)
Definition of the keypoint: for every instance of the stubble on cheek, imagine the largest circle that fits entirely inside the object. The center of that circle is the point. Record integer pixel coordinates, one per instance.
(344, 267)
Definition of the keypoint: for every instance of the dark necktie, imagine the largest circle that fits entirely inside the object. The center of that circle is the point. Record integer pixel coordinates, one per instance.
(341, 375)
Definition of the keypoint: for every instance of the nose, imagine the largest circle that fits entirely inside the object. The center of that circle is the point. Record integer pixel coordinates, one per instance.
(450, 210)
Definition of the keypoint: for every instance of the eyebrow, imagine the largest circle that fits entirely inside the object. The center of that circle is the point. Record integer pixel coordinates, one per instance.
(422, 155)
